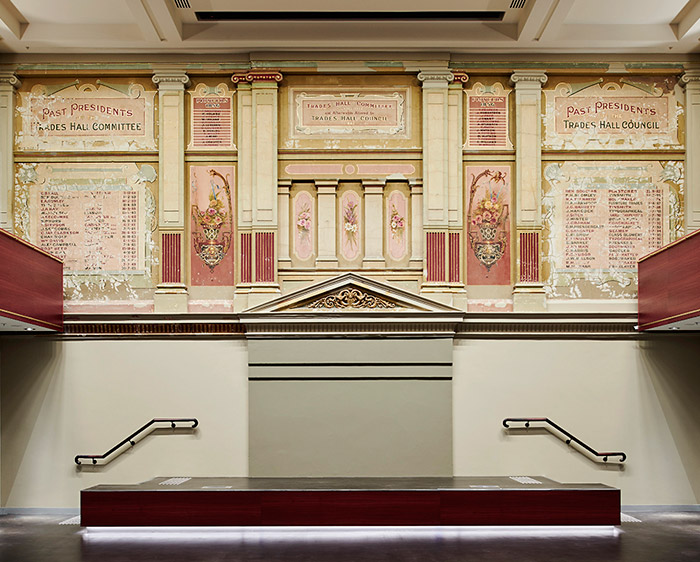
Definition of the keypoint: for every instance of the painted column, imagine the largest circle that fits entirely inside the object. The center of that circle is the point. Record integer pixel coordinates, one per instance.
(171, 294)
(691, 79)
(528, 292)
(416, 186)
(258, 188)
(455, 183)
(327, 255)
(374, 224)
(437, 158)
(283, 258)
(8, 84)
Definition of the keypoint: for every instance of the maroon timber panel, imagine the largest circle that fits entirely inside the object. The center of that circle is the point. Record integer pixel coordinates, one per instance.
(31, 283)
(367, 508)
(669, 283)
(531, 507)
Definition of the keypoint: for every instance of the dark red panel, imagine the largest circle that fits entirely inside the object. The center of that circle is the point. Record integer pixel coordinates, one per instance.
(31, 283)
(669, 283)
(351, 508)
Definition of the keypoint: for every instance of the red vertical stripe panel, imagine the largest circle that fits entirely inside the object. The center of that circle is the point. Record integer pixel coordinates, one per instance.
(246, 258)
(529, 257)
(265, 257)
(171, 258)
(454, 257)
(436, 256)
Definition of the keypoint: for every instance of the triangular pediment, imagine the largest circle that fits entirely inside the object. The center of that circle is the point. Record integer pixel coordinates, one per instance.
(351, 293)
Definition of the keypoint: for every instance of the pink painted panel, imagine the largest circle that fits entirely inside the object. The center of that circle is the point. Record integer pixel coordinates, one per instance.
(211, 201)
(264, 257)
(303, 221)
(488, 225)
(351, 227)
(397, 225)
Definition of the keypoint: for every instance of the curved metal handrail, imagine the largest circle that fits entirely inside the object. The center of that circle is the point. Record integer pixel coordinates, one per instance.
(173, 424)
(569, 436)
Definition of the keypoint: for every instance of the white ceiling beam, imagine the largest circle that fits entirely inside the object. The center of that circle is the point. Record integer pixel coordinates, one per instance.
(556, 19)
(144, 20)
(689, 19)
(533, 18)
(166, 19)
(10, 18)
(613, 35)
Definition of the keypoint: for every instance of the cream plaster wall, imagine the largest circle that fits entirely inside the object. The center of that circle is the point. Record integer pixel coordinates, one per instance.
(639, 397)
(62, 398)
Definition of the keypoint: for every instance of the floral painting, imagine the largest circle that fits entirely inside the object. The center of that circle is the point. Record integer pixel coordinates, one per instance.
(488, 225)
(350, 229)
(397, 209)
(303, 224)
(211, 225)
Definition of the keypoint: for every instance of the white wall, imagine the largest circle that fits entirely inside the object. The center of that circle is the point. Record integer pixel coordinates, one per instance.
(640, 397)
(62, 398)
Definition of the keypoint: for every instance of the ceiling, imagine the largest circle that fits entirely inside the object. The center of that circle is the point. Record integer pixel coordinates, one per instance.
(526, 27)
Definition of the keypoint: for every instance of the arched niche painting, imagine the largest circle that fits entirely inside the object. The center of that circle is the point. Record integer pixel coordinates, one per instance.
(397, 225)
(303, 225)
(488, 225)
(350, 225)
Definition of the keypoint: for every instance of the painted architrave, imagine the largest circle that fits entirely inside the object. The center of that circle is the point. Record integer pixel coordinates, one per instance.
(211, 112)
(349, 112)
(488, 225)
(487, 117)
(98, 116)
(212, 193)
(635, 113)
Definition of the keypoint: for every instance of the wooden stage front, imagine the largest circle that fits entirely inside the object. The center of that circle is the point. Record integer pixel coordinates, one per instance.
(350, 502)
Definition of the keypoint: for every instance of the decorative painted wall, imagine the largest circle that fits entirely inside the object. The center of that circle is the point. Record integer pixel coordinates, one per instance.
(254, 184)
(101, 115)
(635, 113)
(488, 225)
(100, 218)
(212, 225)
(600, 217)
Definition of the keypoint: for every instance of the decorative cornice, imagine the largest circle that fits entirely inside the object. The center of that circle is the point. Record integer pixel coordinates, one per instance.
(436, 76)
(350, 298)
(522, 76)
(257, 76)
(10, 78)
(166, 78)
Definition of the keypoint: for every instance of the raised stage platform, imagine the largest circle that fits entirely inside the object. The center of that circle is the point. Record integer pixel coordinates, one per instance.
(518, 500)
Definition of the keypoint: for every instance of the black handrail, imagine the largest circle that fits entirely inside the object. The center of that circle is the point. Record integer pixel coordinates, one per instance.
(173, 424)
(571, 438)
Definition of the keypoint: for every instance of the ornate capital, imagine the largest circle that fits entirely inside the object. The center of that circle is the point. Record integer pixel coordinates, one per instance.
(690, 76)
(528, 76)
(436, 76)
(10, 78)
(460, 76)
(172, 79)
(257, 76)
